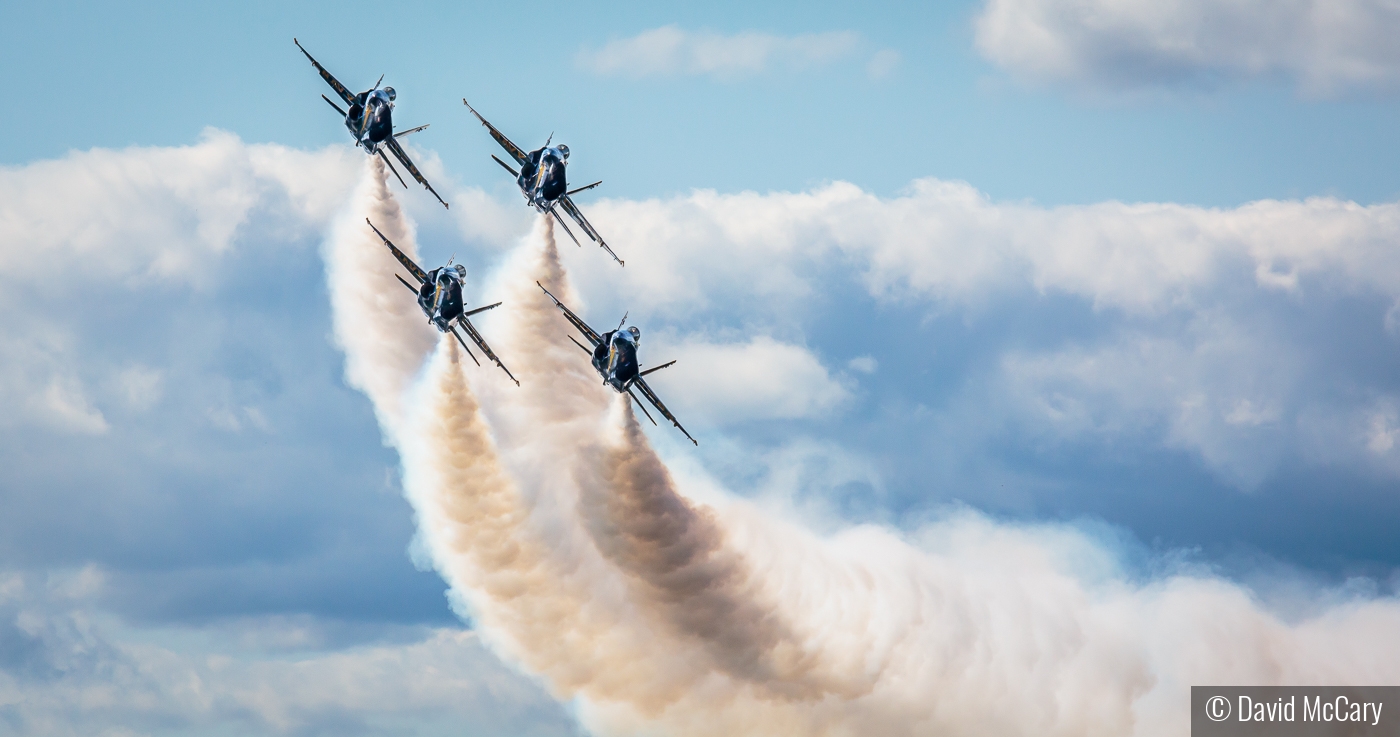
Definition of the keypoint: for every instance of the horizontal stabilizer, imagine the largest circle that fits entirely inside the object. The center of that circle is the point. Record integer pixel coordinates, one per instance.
(639, 404)
(580, 345)
(337, 107)
(587, 187)
(397, 150)
(401, 134)
(482, 309)
(392, 169)
(464, 346)
(657, 368)
(480, 342)
(513, 172)
(565, 226)
(415, 291)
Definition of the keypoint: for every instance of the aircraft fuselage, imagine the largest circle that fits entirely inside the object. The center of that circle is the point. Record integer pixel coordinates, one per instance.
(615, 358)
(370, 119)
(440, 297)
(542, 179)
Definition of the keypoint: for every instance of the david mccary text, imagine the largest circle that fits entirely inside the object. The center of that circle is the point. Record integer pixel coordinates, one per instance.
(1340, 709)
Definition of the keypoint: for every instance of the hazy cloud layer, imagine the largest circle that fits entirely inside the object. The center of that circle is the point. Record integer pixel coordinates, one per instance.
(674, 51)
(179, 416)
(1324, 47)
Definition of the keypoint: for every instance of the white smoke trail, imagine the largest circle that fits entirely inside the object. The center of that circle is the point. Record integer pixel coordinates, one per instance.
(999, 632)
(539, 594)
(583, 561)
(377, 322)
(503, 529)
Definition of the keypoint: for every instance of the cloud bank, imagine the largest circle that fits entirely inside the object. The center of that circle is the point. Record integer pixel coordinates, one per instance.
(1191, 331)
(1247, 338)
(1322, 47)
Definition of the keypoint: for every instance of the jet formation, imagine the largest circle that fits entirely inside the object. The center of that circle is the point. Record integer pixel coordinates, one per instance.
(542, 180)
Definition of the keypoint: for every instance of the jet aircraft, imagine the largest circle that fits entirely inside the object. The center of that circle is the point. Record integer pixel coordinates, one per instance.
(439, 294)
(370, 120)
(614, 356)
(543, 182)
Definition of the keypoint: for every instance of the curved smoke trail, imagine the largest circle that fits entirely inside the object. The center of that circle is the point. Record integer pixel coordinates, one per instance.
(490, 516)
(582, 559)
(683, 566)
(996, 634)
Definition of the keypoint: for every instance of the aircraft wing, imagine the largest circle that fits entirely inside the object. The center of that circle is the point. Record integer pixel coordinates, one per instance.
(398, 152)
(330, 78)
(471, 332)
(520, 156)
(577, 215)
(403, 258)
(641, 385)
(593, 337)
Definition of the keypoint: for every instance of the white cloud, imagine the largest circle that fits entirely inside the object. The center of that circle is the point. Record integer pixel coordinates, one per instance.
(1188, 302)
(671, 50)
(160, 213)
(758, 379)
(70, 670)
(1324, 46)
(101, 222)
(948, 242)
(863, 364)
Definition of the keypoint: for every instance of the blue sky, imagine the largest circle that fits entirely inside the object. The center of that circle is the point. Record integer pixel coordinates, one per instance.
(157, 74)
(909, 267)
